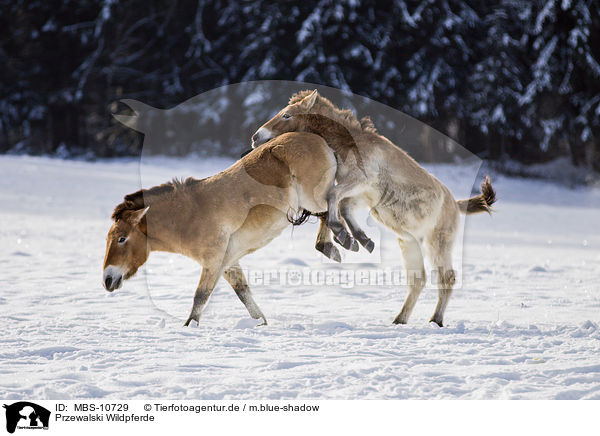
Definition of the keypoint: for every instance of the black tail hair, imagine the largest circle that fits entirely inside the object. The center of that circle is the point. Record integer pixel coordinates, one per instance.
(481, 203)
(297, 220)
(302, 217)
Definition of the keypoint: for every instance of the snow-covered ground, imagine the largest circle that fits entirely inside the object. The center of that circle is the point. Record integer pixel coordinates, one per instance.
(524, 324)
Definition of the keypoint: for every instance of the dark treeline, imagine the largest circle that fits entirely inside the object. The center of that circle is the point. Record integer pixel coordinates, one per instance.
(508, 79)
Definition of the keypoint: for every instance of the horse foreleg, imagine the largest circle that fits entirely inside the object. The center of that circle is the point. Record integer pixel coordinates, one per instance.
(208, 280)
(347, 206)
(334, 197)
(235, 276)
(324, 243)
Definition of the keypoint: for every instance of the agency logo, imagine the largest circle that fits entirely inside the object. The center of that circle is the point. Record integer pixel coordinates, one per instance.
(26, 415)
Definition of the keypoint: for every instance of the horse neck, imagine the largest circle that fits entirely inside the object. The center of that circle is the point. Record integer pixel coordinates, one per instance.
(164, 226)
(339, 137)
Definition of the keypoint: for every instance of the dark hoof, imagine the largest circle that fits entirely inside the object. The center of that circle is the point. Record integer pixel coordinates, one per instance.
(342, 238)
(320, 246)
(328, 249)
(439, 323)
(354, 247)
(365, 241)
(349, 244)
(192, 318)
(345, 240)
(398, 321)
(262, 323)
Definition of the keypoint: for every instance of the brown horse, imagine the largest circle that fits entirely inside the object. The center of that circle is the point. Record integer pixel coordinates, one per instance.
(402, 195)
(218, 220)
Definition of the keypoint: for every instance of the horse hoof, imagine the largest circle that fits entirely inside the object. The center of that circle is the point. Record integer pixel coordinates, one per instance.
(354, 245)
(345, 240)
(398, 320)
(341, 237)
(329, 250)
(192, 318)
(439, 323)
(320, 246)
(370, 246)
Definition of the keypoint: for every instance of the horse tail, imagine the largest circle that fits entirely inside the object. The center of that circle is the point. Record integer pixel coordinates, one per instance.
(482, 202)
(302, 217)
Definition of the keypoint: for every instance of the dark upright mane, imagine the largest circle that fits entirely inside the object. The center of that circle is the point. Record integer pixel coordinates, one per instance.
(343, 116)
(140, 199)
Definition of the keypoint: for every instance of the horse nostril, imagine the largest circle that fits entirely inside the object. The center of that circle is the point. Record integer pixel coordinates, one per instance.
(108, 282)
(255, 137)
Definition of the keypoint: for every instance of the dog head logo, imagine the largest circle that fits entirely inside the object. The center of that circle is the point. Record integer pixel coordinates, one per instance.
(26, 415)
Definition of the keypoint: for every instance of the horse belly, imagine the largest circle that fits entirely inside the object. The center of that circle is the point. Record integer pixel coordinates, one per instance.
(414, 214)
(263, 224)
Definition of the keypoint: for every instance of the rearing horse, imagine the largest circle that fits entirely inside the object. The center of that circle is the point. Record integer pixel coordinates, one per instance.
(401, 194)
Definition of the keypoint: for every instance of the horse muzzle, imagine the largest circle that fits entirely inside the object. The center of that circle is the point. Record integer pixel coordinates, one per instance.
(261, 136)
(112, 278)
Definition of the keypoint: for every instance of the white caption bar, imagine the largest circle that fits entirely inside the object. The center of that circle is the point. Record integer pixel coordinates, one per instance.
(91, 417)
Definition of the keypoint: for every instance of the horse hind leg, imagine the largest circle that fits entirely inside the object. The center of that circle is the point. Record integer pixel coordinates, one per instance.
(441, 259)
(235, 277)
(446, 279)
(347, 207)
(412, 259)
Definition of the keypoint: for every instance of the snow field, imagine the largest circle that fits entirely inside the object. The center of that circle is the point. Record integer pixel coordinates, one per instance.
(524, 324)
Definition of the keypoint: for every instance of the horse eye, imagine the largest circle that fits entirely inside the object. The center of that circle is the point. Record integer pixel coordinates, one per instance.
(122, 239)
(286, 116)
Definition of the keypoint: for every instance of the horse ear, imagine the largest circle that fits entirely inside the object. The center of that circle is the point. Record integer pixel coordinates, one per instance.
(136, 217)
(310, 100)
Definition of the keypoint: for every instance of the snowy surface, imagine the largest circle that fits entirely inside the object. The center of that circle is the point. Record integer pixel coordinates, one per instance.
(524, 324)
